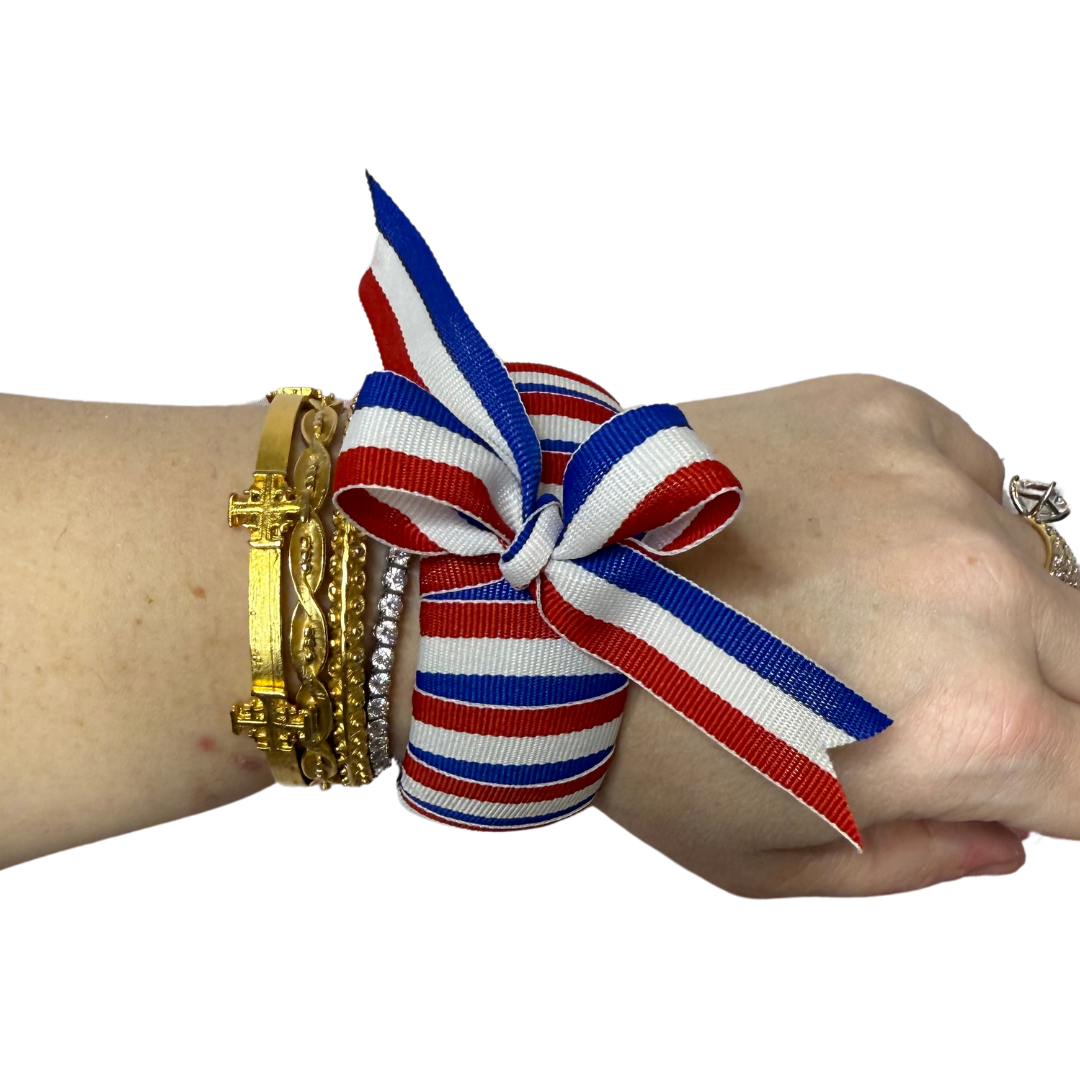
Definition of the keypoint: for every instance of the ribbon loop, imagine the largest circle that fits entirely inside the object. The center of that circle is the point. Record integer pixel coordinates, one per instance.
(544, 507)
(644, 473)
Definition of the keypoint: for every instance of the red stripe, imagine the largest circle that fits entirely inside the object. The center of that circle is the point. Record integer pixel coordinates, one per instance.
(713, 517)
(495, 793)
(387, 330)
(376, 466)
(493, 619)
(553, 467)
(385, 523)
(448, 573)
(547, 370)
(744, 737)
(680, 492)
(538, 404)
(485, 720)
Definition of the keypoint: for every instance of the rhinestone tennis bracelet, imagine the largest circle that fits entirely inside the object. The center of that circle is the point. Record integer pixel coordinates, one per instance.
(381, 662)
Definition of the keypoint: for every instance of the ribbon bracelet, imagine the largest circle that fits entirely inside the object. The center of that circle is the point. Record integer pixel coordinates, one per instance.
(541, 510)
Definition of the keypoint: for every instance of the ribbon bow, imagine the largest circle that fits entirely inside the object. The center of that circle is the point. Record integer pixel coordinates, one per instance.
(541, 508)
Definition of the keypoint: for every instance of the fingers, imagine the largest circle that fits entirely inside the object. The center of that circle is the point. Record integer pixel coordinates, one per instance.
(898, 857)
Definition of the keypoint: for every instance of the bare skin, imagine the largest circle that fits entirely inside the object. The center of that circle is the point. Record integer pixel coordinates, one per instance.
(872, 539)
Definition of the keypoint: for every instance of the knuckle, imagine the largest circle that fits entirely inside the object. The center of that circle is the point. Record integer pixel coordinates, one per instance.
(1017, 732)
(993, 743)
(955, 436)
(996, 467)
(992, 467)
(883, 402)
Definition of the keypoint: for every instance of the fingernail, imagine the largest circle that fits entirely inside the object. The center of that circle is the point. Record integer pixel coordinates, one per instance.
(1020, 834)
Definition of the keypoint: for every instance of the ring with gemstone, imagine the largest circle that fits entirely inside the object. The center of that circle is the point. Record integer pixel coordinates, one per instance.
(1040, 504)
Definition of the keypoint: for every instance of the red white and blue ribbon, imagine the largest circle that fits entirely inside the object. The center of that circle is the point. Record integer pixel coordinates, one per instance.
(540, 510)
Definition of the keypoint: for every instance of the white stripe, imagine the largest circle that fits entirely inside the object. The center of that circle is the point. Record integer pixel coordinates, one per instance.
(525, 708)
(389, 429)
(439, 597)
(506, 656)
(503, 811)
(442, 524)
(626, 483)
(428, 354)
(513, 749)
(563, 428)
(491, 825)
(562, 381)
(550, 489)
(762, 701)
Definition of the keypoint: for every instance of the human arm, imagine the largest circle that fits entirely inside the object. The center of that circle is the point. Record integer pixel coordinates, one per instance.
(841, 550)
(123, 618)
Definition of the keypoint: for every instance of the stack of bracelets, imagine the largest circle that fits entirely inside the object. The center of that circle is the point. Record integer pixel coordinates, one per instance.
(323, 734)
(542, 512)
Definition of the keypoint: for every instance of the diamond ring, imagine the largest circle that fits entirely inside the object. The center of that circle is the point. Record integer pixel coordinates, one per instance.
(1040, 504)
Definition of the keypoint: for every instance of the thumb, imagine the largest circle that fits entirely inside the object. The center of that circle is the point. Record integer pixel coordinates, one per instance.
(897, 857)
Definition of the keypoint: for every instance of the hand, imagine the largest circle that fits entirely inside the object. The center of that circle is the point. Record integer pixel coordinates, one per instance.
(873, 539)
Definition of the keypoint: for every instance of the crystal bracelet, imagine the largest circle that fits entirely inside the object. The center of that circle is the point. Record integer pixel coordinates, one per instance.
(385, 634)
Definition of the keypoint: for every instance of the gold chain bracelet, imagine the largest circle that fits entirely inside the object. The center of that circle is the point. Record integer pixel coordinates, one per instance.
(320, 738)
(345, 668)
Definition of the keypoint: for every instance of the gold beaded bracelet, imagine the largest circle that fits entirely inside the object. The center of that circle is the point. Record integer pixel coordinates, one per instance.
(321, 737)
(345, 668)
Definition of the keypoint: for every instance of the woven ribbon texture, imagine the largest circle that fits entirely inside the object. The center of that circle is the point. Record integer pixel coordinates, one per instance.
(541, 511)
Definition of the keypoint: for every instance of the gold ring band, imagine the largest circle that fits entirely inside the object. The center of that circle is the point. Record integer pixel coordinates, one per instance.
(1040, 503)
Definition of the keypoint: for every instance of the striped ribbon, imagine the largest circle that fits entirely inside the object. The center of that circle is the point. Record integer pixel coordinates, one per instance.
(540, 509)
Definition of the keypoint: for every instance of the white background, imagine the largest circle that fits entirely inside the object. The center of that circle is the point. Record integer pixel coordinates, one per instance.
(680, 200)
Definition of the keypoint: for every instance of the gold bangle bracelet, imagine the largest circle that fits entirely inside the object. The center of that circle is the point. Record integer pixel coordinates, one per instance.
(295, 735)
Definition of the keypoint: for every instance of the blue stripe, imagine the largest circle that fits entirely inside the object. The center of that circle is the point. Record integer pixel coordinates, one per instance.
(543, 388)
(521, 538)
(478, 524)
(559, 445)
(543, 773)
(388, 390)
(521, 690)
(474, 819)
(607, 445)
(470, 352)
(740, 638)
(495, 590)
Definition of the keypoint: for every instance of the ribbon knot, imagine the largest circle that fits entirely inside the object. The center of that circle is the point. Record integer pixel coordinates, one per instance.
(541, 509)
(532, 548)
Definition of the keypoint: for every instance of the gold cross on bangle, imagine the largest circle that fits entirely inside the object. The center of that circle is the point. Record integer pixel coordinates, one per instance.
(269, 509)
